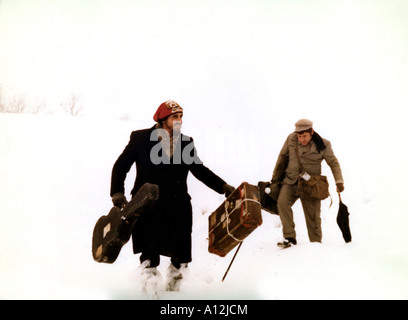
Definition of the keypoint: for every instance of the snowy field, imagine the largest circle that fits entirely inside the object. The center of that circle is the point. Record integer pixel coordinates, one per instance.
(55, 175)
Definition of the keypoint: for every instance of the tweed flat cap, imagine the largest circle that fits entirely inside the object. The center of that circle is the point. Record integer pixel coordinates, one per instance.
(303, 125)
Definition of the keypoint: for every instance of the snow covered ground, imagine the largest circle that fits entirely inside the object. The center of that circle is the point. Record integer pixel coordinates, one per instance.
(54, 185)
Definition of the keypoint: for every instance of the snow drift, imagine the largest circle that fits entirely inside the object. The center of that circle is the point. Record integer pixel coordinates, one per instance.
(55, 176)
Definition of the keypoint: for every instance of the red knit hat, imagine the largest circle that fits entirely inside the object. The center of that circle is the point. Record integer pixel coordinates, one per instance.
(167, 108)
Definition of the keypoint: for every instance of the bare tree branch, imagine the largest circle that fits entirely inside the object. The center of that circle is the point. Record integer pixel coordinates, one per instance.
(72, 106)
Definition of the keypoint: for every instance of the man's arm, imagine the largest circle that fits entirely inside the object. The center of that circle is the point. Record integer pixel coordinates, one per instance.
(279, 171)
(122, 166)
(281, 163)
(333, 163)
(206, 176)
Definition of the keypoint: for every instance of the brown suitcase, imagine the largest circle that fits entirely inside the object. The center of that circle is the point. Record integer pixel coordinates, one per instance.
(235, 219)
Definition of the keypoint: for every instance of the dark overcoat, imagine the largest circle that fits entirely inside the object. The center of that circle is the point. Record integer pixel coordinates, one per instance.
(166, 230)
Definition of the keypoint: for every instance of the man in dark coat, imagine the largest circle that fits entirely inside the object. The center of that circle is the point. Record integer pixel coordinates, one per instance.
(163, 157)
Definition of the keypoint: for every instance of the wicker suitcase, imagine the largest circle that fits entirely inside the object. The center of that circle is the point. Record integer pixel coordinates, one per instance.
(237, 217)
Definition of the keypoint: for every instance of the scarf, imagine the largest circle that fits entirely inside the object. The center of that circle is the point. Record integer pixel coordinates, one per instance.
(168, 143)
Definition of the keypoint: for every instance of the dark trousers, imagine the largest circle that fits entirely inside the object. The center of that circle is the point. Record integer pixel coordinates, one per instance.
(155, 260)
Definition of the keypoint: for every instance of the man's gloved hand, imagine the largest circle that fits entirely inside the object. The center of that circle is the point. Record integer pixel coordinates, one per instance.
(340, 187)
(227, 189)
(119, 199)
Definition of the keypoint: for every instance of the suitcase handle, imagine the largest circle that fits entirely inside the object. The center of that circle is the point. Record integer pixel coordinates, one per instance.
(228, 219)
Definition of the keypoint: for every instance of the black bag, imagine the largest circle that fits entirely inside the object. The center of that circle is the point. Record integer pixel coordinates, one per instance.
(343, 221)
(267, 202)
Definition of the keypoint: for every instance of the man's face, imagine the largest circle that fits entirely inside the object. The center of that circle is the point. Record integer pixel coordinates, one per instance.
(304, 138)
(173, 123)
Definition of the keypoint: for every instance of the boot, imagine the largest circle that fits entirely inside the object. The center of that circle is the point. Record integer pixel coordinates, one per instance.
(151, 280)
(287, 242)
(175, 277)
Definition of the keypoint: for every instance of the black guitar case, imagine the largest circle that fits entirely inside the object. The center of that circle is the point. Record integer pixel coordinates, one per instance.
(113, 231)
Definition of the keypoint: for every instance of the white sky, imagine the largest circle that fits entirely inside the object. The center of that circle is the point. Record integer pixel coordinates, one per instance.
(236, 59)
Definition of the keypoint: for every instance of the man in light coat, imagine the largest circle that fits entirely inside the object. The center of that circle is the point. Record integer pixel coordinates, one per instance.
(312, 151)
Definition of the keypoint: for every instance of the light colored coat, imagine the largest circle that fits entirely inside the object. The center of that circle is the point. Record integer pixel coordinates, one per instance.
(310, 159)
